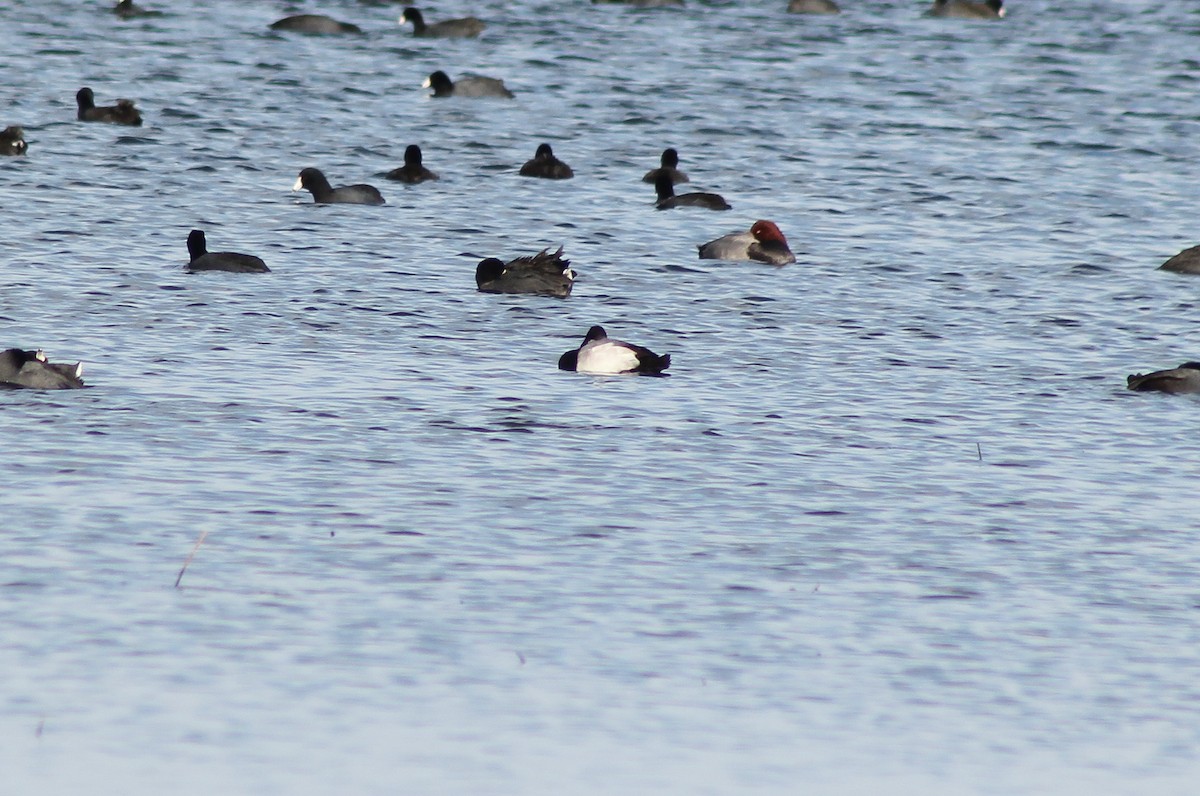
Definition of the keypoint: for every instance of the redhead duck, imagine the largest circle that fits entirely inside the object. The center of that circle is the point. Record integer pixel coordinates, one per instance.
(121, 113)
(670, 165)
(204, 260)
(813, 7)
(412, 172)
(667, 198)
(31, 370)
(471, 86)
(1186, 262)
(313, 181)
(967, 9)
(543, 274)
(1183, 379)
(764, 243)
(465, 28)
(546, 166)
(12, 141)
(600, 355)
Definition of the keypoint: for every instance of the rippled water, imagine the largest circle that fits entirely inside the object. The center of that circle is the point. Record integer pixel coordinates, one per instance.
(893, 524)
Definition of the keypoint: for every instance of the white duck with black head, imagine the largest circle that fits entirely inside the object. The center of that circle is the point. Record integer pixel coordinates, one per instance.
(601, 355)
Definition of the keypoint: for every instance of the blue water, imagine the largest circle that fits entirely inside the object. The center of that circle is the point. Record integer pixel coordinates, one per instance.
(893, 524)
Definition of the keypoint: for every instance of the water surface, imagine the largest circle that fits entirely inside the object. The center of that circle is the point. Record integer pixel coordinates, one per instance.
(892, 525)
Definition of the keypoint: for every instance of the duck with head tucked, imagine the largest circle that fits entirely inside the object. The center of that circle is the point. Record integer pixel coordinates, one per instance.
(21, 369)
(542, 274)
(764, 243)
(12, 141)
(121, 113)
(545, 165)
(600, 355)
(1183, 379)
(464, 28)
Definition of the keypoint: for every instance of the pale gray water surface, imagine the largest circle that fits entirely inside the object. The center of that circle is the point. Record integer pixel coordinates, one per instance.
(437, 564)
